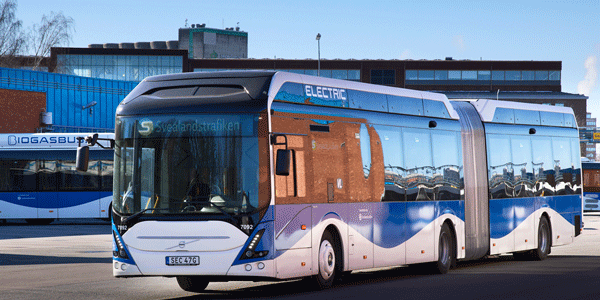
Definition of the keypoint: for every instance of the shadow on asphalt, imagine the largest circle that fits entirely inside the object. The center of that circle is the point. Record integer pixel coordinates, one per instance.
(416, 280)
(23, 260)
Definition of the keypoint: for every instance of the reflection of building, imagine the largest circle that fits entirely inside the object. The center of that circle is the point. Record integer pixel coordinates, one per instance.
(590, 148)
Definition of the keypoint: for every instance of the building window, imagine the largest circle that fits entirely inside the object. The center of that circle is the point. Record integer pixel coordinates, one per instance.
(469, 75)
(454, 75)
(441, 74)
(541, 75)
(484, 75)
(513, 75)
(386, 77)
(527, 75)
(411, 75)
(554, 75)
(497, 75)
(426, 75)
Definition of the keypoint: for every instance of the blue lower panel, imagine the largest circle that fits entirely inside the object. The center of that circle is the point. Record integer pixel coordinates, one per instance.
(51, 199)
(386, 224)
(507, 214)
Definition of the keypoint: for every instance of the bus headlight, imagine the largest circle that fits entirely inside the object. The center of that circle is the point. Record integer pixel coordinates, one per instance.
(250, 252)
(121, 249)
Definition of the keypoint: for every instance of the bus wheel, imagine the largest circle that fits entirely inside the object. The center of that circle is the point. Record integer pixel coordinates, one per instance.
(445, 252)
(327, 261)
(544, 241)
(193, 284)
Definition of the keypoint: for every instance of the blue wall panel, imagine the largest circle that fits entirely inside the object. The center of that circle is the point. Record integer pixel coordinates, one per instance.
(67, 94)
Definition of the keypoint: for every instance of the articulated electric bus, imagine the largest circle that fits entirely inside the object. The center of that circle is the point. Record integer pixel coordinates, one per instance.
(39, 183)
(271, 176)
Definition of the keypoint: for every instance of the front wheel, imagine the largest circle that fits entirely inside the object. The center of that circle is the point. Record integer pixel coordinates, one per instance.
(193, 284)
(327, 261)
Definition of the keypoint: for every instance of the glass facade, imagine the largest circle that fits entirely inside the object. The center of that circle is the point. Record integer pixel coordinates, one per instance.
(118, 67)
(353, 75)
(67, 96)
(482, 75)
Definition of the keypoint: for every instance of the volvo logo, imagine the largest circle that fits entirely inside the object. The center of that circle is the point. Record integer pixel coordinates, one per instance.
(182, 244)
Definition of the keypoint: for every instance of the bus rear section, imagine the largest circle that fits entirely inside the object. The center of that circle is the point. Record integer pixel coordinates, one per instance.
(39, 183)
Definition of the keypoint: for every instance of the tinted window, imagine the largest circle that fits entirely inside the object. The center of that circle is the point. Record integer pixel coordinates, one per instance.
(47, 175)
(500, 166)
(418, 164)
(527, 117)
(446, 159)
(435, 109)
(369, 101)
(523, 169)
(395, 181)
(405, 105)
(365, 149)
(504, 115)
(542, 165)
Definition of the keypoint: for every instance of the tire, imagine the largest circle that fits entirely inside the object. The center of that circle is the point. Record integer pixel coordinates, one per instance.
(329, 261)
(446, 254)
(544, 241)
(193, 284)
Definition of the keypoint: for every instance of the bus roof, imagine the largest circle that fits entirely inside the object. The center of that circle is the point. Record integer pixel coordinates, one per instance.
(325, 91)
(498, 111)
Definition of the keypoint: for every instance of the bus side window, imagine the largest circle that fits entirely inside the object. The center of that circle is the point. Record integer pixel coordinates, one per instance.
(47, 175)
(395, 183)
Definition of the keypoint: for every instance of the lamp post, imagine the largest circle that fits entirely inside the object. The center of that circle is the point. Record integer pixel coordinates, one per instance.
(319, 53)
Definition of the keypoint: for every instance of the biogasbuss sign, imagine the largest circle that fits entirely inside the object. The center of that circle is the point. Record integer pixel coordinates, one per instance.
(40, 140)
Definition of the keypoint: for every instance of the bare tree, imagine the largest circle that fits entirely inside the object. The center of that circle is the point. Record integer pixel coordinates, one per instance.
(12, 38)
(54, 30)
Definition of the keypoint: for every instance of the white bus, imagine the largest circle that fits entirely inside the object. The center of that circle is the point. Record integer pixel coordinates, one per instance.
(39, 183)
(272, 176)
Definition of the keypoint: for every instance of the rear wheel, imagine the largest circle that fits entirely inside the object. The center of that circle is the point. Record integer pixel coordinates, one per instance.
(193, 284)
(328, 257)
(544, 241)
(445, 252)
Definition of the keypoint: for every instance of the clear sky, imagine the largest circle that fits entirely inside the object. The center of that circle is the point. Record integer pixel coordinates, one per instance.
(555, 30)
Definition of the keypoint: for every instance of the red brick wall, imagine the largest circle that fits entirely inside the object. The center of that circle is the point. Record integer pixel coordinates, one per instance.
(20, 111)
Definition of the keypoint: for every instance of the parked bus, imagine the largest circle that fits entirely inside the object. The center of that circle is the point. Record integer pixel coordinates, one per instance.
(39, 183)
(270, 176)
(591, 186)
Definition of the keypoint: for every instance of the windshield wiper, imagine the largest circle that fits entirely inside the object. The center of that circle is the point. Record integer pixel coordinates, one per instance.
(139, 213)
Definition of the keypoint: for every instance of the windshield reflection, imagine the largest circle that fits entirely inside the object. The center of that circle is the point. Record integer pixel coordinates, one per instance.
(183, 173)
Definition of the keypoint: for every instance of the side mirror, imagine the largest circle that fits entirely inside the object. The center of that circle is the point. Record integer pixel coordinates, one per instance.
(83, 158)
(282, 166)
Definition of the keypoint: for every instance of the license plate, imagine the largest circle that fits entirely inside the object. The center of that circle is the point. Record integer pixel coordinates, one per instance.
(182, 260)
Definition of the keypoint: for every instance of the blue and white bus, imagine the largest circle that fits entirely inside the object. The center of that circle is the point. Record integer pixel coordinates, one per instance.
(39, 183)
(591, 186)
(272, 176)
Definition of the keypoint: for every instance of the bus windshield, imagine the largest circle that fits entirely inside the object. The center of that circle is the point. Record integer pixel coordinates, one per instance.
(193, 166)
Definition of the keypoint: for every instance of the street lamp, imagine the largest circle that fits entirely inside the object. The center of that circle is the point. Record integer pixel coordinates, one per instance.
(319, 49)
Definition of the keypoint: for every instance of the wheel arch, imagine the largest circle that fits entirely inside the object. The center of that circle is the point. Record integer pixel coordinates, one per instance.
(339, 243)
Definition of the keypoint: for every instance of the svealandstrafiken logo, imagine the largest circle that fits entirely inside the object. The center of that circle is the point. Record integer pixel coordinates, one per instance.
(146, 127)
